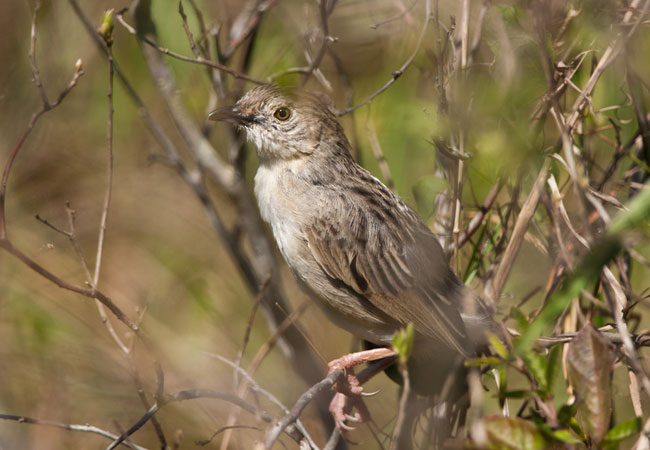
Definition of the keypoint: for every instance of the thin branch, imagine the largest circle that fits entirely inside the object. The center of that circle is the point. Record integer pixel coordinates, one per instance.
(326, 8)
(86, 292)
(241, 389)
(156, 130)
(478, 218)
(325, 384)
(251, 317)
(617, 303)
(610, 53)
(400, 431)
(188, 32)
(107, 202)
(399, 72)
(405, 11)
(251, 18)
(197, 60)
(189, 394)
(36, 75)
(227, 428)
(45, 107)
(464, 34)
(495, 286)
(4, 240)
(145, 401)
(259, 357)
(257, 388)
(72, 427)
(378, 153)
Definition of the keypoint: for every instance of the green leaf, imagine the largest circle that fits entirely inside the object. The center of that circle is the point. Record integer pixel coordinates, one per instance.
(403, 342)
(590, 365)
(485, 361)
(513, 433)
(537, 365)
(565, 414)
(622, 431)
(565, 436)
(470, 276)
(522, 320)
(105, 29)
(636, 216)
(553, 366)
(573, 424)
(498, 347)
(516, 394)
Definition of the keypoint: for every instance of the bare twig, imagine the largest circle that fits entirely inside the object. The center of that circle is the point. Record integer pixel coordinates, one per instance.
(326, 7)
(188, 32)
(145, 401)
(198, 60)
(326, 383)
(400, 431)
(189, 394)
(405, 11)
(107, 201)
(6, 244)
(558, 201)
(399, 72)
(72, 427)
(617, 302)
(635, 394)
(257, 388)
(45, 107)
(495, 286)
(609, 55)
(249, 325)
(232, 416)
(36, 75)
(378, 153)
(245, 25)
(227, 428)
(478, 218)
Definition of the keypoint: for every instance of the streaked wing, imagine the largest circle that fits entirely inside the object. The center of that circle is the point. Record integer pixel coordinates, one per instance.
(393, 261)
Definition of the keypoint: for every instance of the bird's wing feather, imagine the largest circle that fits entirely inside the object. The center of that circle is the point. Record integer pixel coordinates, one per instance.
(400, 270)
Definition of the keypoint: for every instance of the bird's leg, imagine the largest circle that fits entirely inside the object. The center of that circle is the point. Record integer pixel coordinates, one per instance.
(348, 388)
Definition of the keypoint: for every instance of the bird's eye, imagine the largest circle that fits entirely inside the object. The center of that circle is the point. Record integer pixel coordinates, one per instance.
(282, 113)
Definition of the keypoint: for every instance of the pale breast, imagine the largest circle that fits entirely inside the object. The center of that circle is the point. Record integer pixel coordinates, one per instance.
(279, 205)
(288, 203)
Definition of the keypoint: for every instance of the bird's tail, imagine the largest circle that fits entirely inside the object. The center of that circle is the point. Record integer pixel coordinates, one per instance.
(434, 403)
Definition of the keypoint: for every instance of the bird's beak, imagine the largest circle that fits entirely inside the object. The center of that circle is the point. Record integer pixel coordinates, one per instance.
(232, 114)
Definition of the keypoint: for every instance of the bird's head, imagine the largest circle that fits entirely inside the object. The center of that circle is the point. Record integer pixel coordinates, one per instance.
(282, 124)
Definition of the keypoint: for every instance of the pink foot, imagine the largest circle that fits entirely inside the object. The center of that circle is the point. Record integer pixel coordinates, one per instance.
(348, 388)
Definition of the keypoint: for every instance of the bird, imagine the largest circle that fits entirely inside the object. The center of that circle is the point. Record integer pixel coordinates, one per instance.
(364, 256)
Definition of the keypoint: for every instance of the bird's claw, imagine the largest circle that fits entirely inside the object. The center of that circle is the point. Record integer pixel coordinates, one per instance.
(343, 427)
(356, 418)
(370, 394)
(349, 392)
(343, 403)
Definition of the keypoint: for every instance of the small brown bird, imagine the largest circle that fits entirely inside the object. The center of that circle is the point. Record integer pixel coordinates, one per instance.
(367, 258)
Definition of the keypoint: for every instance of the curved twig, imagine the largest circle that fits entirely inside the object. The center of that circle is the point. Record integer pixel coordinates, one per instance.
(275, 431)
(399, 72)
